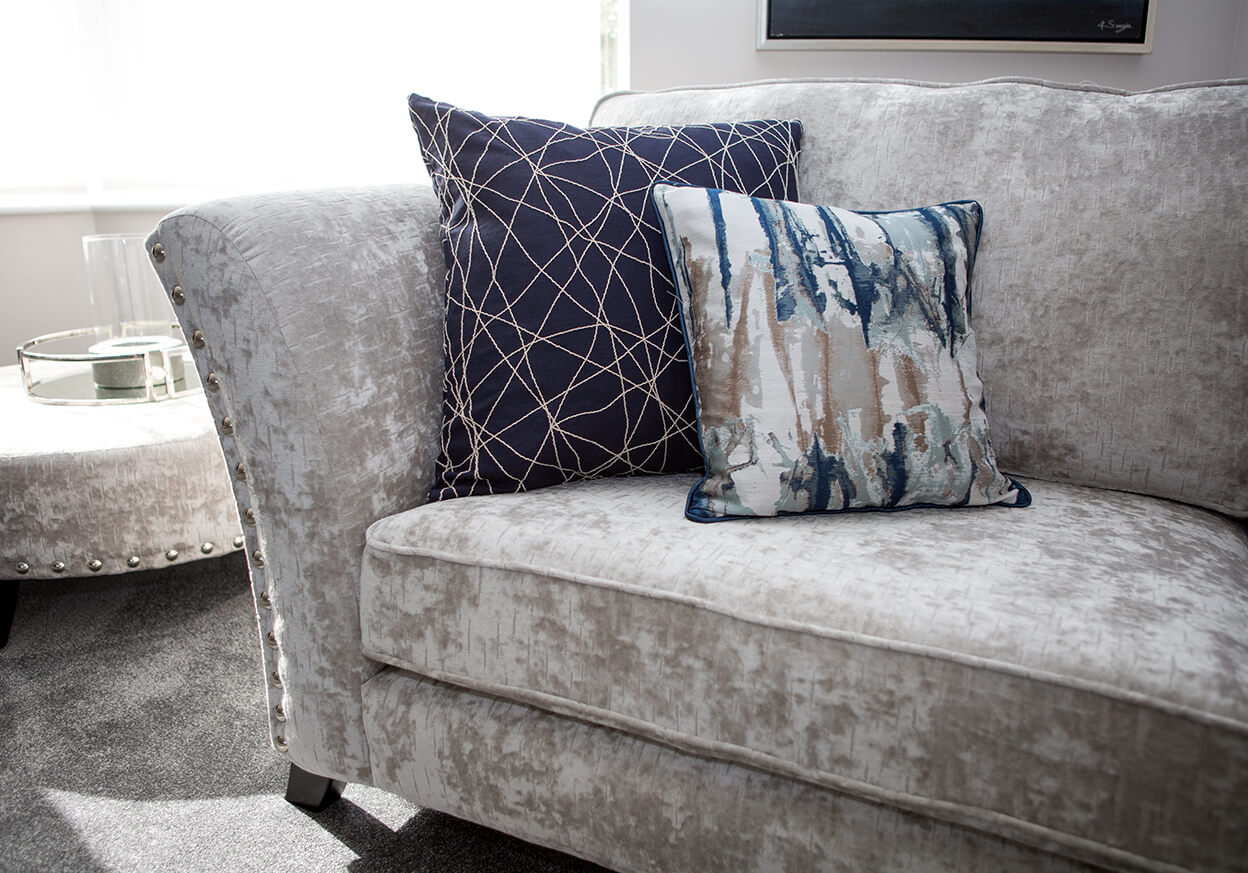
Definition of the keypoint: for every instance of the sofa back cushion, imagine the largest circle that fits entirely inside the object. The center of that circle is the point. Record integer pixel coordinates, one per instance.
(1111, 287)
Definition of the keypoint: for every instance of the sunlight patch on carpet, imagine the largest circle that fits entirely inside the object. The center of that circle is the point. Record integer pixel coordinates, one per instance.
(127, 834)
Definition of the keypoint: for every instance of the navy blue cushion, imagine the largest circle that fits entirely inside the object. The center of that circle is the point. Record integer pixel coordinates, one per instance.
(564, 357)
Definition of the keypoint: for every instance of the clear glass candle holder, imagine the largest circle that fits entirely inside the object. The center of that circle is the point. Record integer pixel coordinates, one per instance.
(130, 313)
(133, 351)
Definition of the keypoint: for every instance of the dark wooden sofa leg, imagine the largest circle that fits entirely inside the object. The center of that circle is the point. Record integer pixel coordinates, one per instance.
(8, 606)
(311, 792)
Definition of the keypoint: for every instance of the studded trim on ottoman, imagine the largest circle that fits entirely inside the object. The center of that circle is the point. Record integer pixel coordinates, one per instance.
(109, 489)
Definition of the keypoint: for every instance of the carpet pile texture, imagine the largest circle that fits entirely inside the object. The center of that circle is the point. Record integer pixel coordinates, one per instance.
(133, 738)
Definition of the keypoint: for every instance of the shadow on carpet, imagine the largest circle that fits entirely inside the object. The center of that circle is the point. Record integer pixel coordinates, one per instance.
(133, 738)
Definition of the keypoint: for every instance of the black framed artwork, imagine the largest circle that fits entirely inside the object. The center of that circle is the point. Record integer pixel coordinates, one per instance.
(984, 25)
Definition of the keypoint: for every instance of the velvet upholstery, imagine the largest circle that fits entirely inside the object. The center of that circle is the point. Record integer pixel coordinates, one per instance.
(636, 805)
(1111, 304)
(322, 313)
(893, 672)
(109, 484)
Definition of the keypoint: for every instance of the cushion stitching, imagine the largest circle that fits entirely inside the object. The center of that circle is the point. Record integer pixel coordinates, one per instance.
(851, 637)
(1085, 87)
(966, 815)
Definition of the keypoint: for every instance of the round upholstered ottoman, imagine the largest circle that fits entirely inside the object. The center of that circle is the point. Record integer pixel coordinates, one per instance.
(109, 489)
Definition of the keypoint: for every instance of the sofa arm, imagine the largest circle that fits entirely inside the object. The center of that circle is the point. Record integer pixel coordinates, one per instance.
(316, 324)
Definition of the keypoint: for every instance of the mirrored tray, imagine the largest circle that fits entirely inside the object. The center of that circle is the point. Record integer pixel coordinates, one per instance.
(131, 369)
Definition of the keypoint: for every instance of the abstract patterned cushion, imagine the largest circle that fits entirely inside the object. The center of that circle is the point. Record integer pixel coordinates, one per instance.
(832, 353)
(564, 358)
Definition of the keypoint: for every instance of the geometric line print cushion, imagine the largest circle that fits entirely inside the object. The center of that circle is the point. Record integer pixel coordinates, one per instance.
(832, 355)
(564, 357)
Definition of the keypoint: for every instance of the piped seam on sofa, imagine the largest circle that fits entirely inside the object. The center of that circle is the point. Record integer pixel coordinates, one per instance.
(987, 821)
(851, 637)
(1086, 87)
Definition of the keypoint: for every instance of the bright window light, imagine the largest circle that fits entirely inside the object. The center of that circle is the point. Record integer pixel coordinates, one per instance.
(115, 101)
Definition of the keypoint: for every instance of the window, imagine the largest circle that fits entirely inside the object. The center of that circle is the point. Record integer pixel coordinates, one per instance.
(160, 101)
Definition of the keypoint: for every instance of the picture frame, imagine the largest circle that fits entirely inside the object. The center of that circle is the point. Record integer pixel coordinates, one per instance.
(1112, 26)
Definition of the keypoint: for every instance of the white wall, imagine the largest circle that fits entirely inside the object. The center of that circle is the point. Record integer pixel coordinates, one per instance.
(251, 96)
(687, 42)
(1239, 61)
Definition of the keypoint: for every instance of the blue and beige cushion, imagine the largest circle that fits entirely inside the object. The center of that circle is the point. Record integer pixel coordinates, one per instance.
(564, 358)
(832, 355)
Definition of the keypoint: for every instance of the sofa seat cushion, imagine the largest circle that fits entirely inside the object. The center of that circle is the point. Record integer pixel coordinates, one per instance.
(1073, 675)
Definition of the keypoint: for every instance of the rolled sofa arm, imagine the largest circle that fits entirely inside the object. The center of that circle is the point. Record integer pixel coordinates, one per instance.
(315, 320)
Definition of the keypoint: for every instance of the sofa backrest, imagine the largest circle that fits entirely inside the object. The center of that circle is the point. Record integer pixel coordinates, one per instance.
(1111, 287)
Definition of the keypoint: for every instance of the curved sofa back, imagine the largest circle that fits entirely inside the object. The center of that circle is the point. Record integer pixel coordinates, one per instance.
(1111, 287)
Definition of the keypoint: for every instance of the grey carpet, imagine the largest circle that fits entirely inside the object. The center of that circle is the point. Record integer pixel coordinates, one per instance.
(133, 738)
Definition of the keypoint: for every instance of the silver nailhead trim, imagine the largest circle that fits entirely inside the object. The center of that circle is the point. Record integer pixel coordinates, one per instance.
(58, 566)
(206, 548)
(238, 542)
(22, 567)
(158, 253)
(95, 565)
(132, 561)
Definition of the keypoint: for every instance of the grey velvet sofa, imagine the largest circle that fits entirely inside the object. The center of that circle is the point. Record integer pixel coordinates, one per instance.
(1059, 688)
